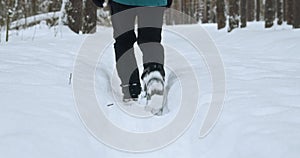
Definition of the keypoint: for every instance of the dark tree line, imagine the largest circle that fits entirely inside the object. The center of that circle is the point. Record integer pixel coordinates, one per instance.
(238, 12)
(188, 7)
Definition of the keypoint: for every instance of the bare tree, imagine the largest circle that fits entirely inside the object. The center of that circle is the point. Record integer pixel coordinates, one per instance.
(34, 7)
(197, 12)
(250, 10)
(213, 11)
(206, 11)
(296, 22)
(2, 13)
(8, 12)
(289, 11)
(221, 19)
(269, 13)
(258, 10)
(243, 13)
(284, 10)
(209, 10)
(233, 14)
(279, 11)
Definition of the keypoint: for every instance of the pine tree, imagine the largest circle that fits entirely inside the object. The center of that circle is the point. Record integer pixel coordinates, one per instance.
(221, 19)
(243, 13)
(269, 13)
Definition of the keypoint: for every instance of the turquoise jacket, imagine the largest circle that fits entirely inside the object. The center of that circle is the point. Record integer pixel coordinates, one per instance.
(143, 3)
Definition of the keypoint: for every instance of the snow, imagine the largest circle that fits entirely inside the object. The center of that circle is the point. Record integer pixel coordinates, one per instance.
(260, 117)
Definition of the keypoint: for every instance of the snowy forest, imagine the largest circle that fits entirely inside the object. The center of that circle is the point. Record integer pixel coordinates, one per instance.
(231, 81)
(238, 12)
(81, 16)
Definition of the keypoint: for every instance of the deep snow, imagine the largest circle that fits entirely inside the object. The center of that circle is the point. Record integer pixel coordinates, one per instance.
(260, 118)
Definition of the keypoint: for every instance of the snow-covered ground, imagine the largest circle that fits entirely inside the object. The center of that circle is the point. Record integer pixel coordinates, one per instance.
(260, 118)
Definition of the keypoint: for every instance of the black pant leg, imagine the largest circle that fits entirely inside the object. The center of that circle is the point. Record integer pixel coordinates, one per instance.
(150, 21)
(123, 21)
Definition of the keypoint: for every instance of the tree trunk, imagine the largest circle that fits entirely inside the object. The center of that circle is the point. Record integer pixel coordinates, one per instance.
(213, 11)
(206, 11)
(296, 14)
(221, 19)
(178, 6)
(197, 9)
(279, 12)
(243, 13)
(257, 10)
(284, 10)
(8, 16)
(233, 14)
(34, 12)
(7, 26)
(269, 13)
(250, 10)
(289, 11)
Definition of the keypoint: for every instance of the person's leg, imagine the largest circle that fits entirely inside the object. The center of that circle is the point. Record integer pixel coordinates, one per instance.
(150, 21)
(123, 20)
